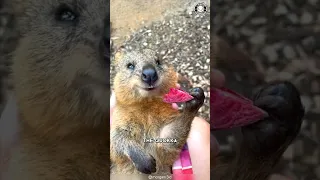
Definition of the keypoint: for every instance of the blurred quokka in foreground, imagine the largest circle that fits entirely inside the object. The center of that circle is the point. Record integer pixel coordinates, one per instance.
(60, 76)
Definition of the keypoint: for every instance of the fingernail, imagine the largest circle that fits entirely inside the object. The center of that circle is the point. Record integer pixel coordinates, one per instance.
(175, 106)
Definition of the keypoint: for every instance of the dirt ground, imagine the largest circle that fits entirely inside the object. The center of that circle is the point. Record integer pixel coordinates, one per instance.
(128, 16)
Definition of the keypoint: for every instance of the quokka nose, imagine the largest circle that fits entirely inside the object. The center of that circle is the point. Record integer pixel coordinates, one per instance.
(149, 75)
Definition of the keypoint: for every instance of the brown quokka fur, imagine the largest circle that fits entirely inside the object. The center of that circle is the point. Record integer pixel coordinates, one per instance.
(60, 77)
(141, 81)
(264, 142)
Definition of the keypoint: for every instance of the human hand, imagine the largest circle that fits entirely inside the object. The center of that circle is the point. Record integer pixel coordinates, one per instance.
(218, 80)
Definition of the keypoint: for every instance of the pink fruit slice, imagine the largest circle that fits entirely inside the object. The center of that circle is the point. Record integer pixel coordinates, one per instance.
(176, 96)
(229, 109)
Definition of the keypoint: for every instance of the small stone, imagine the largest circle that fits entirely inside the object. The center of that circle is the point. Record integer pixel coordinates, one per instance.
(289, 52)
(271, 74)
(278, 46)
(304, 124)
(242, 45)
(313, 2)
(2, 31)
(296, 66)
(298, 148)
(317, 171)
(280, 10)
(271, 53)
(308, 42)
(301, 53)
(317, 104)
(312, 67)
(315, 86)
(225, 148)
(306, 18)
(231, 139)
(300, 3)
(258, 38)
(145, 44)
(314, 130)
(235, 12)
(245, 14)
(288, 154)
(306, 102)
(246, 31)
(312, 159)
(4, 21)
(259, 21)
(293, 18)
(290, 3)
(250, 9)
(285, 76)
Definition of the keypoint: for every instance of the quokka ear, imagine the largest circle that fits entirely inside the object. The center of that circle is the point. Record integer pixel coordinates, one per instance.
(119, 53)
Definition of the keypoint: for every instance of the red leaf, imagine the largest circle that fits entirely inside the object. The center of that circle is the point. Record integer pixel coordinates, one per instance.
(229, 109)
(177, 95)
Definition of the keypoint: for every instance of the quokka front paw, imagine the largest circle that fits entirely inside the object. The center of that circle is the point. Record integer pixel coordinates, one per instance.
(282, 102)
(197, 101)
(143, 162)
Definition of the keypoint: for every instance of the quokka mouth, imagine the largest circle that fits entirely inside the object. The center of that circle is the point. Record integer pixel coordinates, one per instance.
(150, 88)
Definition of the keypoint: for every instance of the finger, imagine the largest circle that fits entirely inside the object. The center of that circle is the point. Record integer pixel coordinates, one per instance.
(199, 148)
(175, 106)
(217, 78)
(178, 86)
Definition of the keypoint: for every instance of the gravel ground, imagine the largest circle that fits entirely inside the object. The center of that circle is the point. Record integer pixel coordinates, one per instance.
(184, 40)
(8, 40)
(283, 39)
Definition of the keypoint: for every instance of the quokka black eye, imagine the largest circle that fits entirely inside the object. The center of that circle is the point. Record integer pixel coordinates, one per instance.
(130, 66)
(65, 14)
